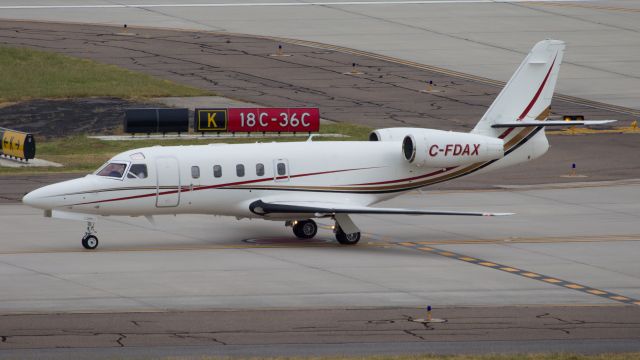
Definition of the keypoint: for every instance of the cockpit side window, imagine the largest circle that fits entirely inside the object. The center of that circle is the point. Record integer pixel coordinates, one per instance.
(114, 170)
(138, 171)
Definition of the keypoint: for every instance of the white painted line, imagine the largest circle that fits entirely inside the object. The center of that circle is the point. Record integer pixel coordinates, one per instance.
(317, 3)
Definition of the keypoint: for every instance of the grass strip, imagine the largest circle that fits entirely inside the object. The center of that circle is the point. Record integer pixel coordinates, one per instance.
(31, 74)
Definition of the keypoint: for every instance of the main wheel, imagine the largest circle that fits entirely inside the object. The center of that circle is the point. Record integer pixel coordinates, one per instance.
(347, 239)
(90, 242)
(305, 229)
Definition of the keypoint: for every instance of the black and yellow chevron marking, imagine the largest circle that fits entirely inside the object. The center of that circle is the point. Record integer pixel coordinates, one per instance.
(524, 273)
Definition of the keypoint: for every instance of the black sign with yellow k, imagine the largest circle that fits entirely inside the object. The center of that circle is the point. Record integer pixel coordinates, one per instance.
(211, 120)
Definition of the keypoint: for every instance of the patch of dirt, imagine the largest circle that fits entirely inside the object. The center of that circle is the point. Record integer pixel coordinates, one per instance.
(48, 118)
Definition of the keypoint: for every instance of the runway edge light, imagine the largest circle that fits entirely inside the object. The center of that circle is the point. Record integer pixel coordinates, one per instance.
(280, 52)
(429, 318)
(354, 70)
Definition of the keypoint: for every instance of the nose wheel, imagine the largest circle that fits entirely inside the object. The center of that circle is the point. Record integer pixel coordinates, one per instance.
(89, 240)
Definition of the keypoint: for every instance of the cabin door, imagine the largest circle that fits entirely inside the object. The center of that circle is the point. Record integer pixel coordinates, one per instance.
(168, 180)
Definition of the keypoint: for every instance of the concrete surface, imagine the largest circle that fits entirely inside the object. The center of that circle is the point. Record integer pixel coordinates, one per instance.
(586, 235)
(480, 38)
(204, 285)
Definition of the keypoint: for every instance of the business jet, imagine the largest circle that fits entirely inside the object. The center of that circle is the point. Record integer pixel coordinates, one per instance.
(301, 181)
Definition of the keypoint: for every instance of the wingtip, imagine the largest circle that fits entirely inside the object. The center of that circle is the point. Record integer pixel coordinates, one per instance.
(499, 214)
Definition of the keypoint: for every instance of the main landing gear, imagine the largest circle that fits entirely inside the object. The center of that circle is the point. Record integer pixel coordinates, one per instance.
(346, 239)
(307, 229)
(89, 240)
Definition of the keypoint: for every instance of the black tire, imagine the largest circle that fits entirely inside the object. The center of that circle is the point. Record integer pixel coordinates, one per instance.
(347, 239)
(305, 229)
(90, 242)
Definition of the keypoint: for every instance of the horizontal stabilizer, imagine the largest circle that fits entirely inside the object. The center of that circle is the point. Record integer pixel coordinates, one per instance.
(323, 209)
(552, 123)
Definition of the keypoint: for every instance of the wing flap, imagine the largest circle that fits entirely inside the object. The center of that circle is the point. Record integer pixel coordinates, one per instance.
(323, 209)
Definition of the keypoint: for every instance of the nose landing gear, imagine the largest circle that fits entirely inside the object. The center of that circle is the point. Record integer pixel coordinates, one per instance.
(89, 240)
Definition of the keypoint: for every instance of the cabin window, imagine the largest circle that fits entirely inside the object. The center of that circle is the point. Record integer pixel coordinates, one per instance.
(260, 169)
(138, 171)
(217, 171)
(114, 170)
(240, 170)
(282, 169)
(195, 172)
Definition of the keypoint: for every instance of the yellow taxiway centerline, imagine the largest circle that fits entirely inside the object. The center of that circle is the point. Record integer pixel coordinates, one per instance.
(523, 273)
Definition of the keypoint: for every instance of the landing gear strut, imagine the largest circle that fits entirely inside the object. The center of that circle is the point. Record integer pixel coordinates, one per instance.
(346, 239)
(305, 229)
(89, 240)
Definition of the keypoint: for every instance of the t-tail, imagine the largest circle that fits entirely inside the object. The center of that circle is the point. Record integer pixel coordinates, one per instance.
(527, 95)
(520, 113)
(509, 133)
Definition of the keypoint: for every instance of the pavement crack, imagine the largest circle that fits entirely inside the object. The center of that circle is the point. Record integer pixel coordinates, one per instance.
(119, 340)
(571, 322)
(409, 332)
(190, 336)
(566, 331)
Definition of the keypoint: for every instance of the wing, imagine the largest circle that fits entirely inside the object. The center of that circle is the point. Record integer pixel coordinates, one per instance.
(319, 209)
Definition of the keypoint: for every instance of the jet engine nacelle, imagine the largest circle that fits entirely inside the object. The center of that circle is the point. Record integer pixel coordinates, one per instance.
(392, 134)
(436, 148)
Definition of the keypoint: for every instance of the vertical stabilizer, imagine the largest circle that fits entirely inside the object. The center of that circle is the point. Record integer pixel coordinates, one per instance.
(527, 95)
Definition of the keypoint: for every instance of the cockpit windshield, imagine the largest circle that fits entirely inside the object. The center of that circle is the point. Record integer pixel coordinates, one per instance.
(137, 171)
(113, 169)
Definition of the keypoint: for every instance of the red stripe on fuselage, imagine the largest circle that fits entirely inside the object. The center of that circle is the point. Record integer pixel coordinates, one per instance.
(441, 171)
(188, 188)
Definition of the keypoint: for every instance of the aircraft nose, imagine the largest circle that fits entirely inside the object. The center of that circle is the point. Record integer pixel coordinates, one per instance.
(35, 199)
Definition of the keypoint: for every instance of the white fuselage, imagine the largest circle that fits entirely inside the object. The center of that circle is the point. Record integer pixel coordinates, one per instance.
(355, 172)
